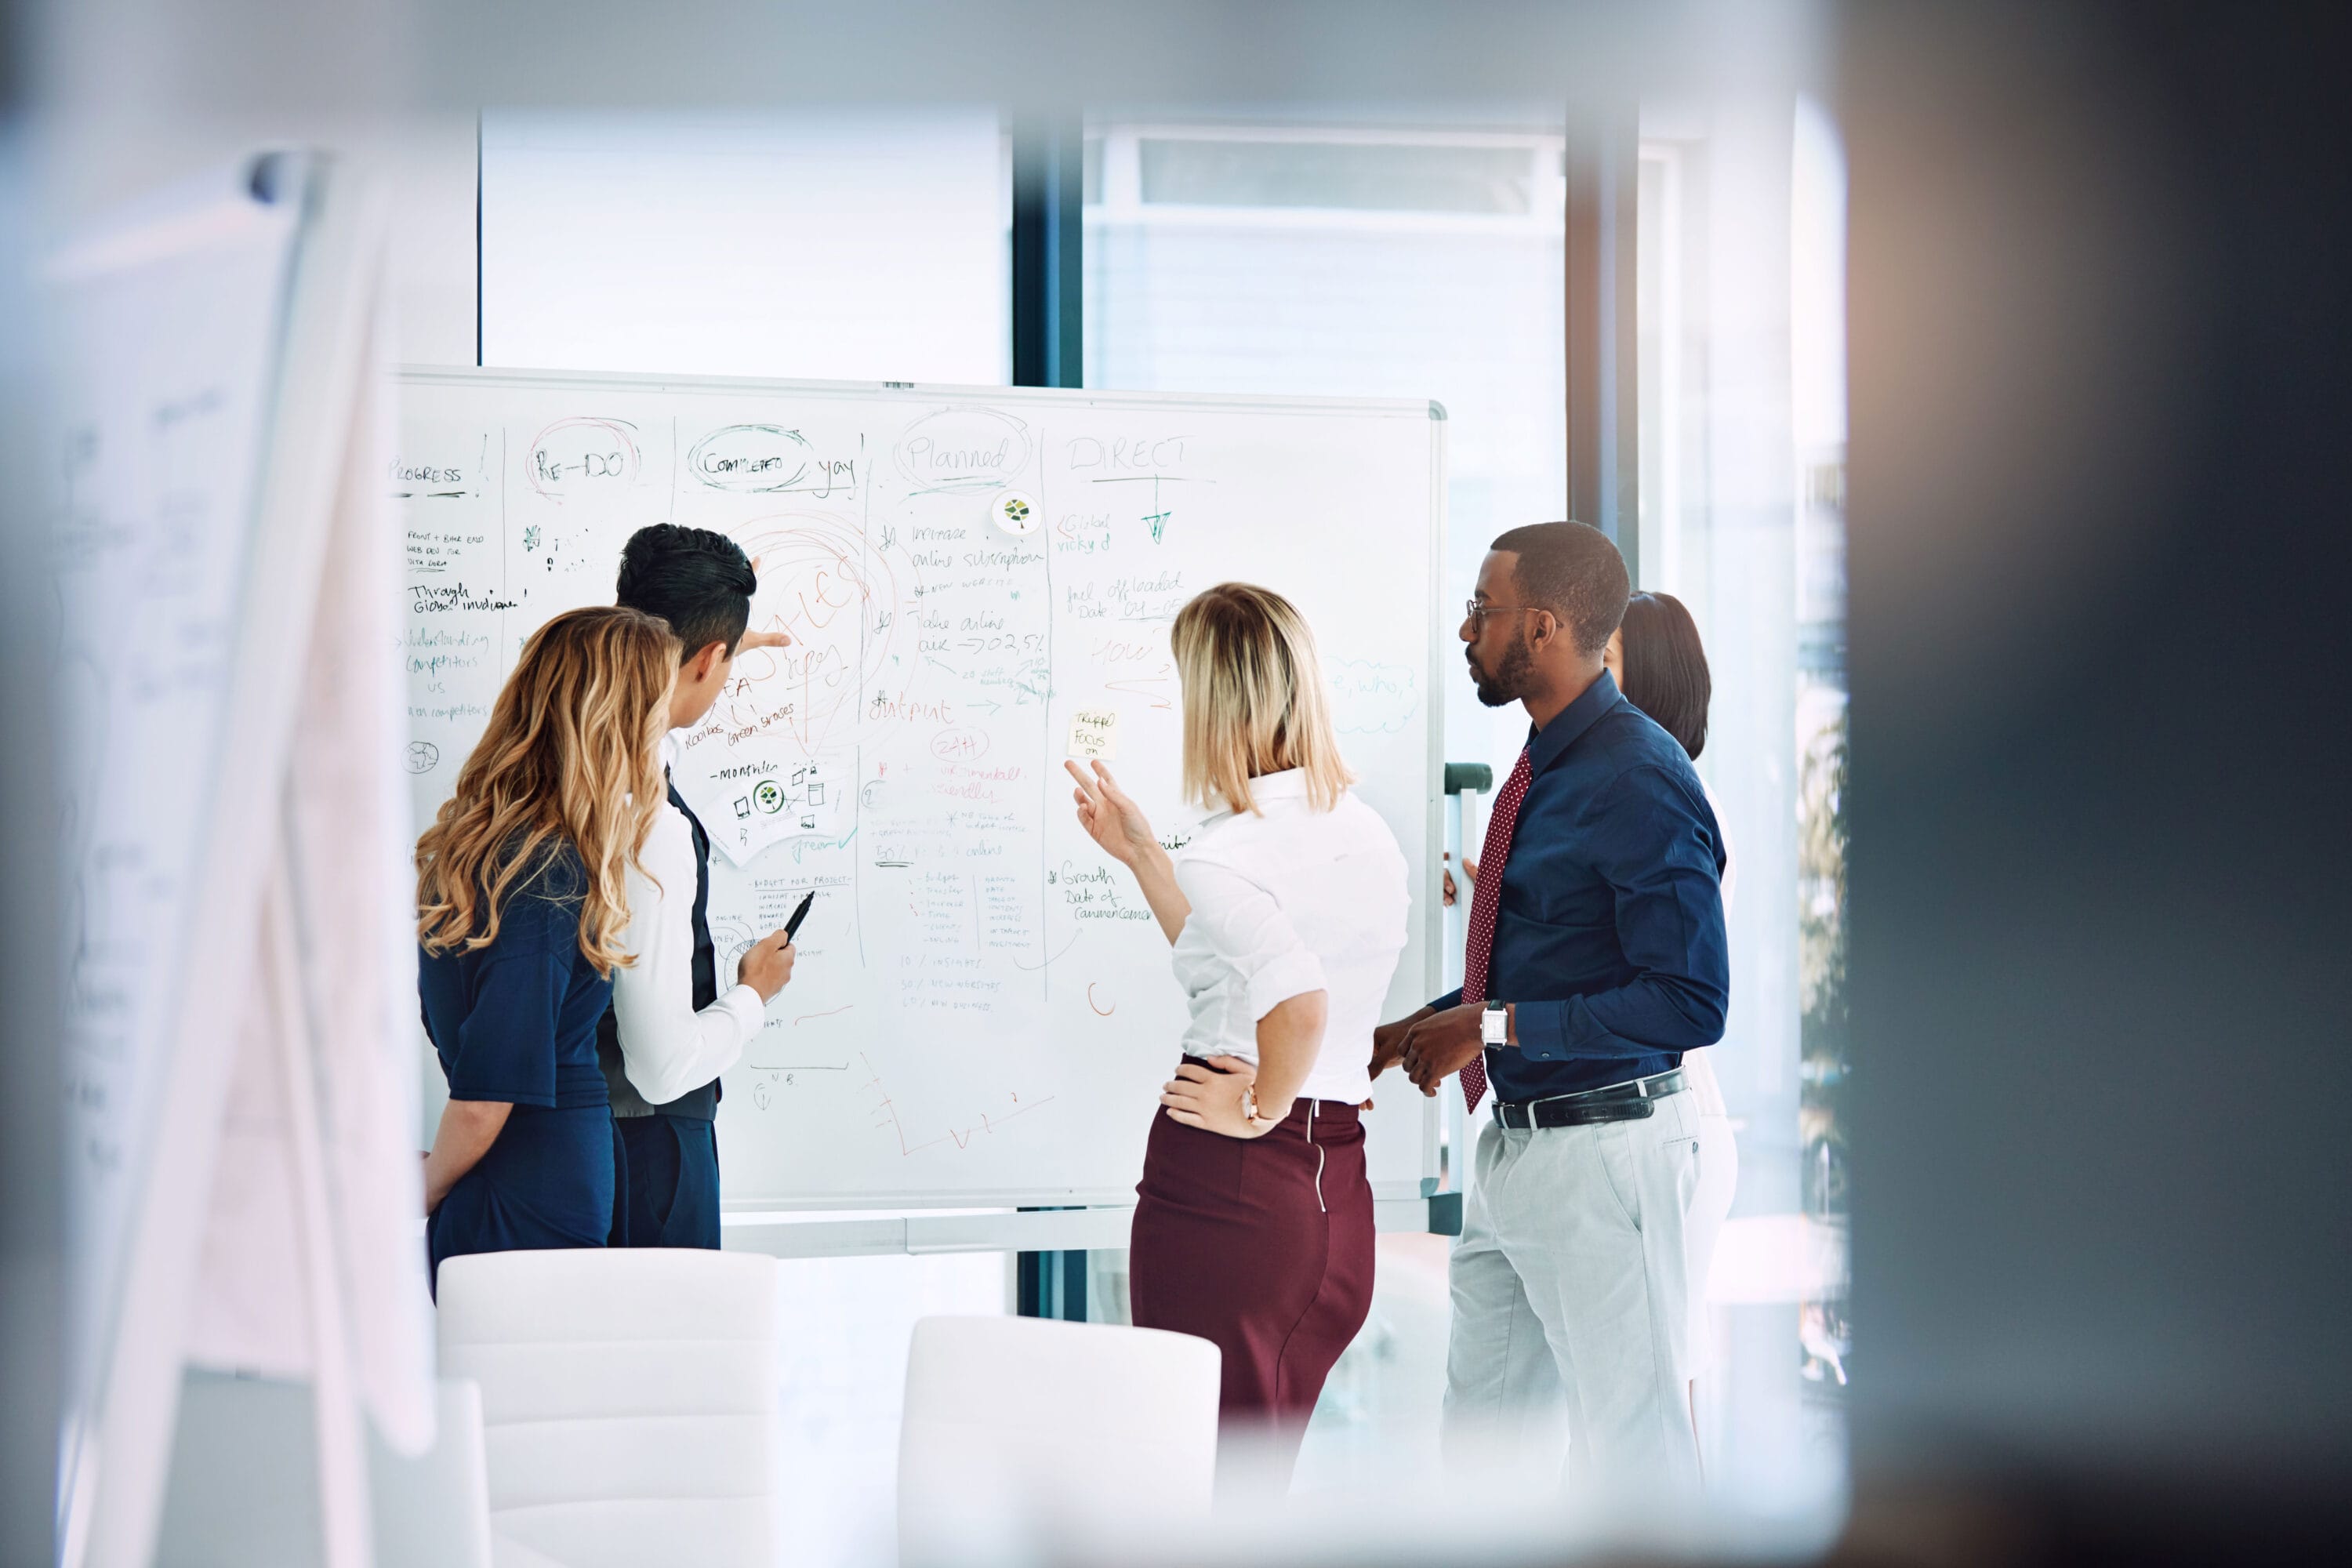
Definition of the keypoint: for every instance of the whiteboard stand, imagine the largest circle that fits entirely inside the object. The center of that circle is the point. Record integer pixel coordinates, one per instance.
(1464, 783)
(1102, 1226)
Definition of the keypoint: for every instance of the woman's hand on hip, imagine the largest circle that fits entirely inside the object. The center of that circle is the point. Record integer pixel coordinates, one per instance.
(1211, 1098)
(1110, 819)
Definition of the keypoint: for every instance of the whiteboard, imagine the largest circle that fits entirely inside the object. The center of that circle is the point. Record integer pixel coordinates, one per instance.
(982, 1010)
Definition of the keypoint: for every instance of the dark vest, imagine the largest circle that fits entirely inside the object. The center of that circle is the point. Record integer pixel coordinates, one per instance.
(700, 1103)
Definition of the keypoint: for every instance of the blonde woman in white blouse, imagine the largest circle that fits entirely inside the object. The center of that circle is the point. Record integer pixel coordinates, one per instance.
(1286, 912)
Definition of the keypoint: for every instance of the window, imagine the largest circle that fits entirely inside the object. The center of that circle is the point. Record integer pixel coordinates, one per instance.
(1740, 326)
(1350, 261)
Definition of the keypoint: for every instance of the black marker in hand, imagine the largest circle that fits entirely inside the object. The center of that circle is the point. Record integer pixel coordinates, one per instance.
(793, 926)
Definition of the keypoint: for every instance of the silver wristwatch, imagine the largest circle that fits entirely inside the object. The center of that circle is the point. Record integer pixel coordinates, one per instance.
(1495, 1024)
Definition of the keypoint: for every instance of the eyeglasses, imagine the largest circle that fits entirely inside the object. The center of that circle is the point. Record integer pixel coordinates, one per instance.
(1475, 612)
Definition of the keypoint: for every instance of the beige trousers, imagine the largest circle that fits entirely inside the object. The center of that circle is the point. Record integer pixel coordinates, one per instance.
(1571, 1286)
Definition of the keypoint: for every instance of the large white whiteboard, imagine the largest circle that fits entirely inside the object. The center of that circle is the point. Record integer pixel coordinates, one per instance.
(982, 1008)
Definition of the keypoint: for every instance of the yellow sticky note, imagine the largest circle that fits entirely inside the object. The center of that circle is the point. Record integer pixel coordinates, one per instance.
(1094, 734)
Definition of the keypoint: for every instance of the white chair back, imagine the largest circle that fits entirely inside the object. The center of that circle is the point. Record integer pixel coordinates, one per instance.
(1018, 1429)
(629, 1400)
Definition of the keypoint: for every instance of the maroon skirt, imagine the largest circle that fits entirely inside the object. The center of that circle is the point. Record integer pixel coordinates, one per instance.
(1262, 1245)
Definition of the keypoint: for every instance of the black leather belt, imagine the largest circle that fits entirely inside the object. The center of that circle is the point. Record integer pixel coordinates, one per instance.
(1618, 1102)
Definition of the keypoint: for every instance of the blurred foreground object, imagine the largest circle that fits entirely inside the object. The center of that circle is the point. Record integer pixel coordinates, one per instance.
(2100, 369)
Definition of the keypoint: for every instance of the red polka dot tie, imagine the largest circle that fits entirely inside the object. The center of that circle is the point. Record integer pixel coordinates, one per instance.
(1486, 898)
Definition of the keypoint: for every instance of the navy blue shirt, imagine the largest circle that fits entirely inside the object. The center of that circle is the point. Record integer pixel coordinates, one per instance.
(1609, 941)
(515, 1021)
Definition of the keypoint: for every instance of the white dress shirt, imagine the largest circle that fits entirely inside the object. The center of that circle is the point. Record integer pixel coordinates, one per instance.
(1699, 1067)
(666, 1047)
(1285, 901)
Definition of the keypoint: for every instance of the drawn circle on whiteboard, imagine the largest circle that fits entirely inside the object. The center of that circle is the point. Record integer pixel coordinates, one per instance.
(1100, 1011)
(424, 756)
(769, 797)
(1014, 512)
(730, 939)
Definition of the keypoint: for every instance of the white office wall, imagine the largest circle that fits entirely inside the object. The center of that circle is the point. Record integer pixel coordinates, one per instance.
(847, 245)
(427, 169)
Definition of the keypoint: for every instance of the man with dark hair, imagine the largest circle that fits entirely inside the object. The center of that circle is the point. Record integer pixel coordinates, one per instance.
(670, 1033)
(1596, 957)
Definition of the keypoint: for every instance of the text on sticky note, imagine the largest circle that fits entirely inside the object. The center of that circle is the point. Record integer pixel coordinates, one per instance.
(1094, 732)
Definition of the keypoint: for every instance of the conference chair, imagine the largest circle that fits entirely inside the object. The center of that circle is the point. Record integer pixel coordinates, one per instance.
(629, 1403)
(1019, 1429)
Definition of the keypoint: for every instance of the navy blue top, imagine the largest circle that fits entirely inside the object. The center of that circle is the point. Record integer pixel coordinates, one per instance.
(1609, 940)
(515, 1021)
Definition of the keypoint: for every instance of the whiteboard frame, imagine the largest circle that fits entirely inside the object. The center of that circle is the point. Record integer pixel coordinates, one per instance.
(1428, 1181)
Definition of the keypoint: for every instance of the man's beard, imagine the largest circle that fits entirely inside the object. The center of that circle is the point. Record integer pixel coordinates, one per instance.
(1508, 683)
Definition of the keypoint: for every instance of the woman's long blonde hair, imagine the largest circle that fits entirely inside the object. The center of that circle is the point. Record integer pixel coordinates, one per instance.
(569, 755)
(1253, 698)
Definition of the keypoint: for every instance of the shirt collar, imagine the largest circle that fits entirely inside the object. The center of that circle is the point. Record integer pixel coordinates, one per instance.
(1290, 784)
(1548, 745)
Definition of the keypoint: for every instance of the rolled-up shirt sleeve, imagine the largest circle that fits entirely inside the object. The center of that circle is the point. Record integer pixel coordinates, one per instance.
(667, 1048)
(1246, 927)
(1657, 851)
(506, 1047)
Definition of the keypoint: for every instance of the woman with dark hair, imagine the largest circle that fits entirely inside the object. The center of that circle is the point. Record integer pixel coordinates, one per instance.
(1660, 665)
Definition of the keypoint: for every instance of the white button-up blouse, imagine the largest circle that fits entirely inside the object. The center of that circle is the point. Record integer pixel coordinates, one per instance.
(1288, 901)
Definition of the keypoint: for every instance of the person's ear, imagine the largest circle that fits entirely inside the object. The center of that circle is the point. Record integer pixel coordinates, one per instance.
(1546, 628)
(708, 661)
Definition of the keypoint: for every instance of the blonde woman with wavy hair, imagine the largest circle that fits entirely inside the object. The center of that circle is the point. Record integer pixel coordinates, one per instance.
(523, 911)
(1286, 912)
